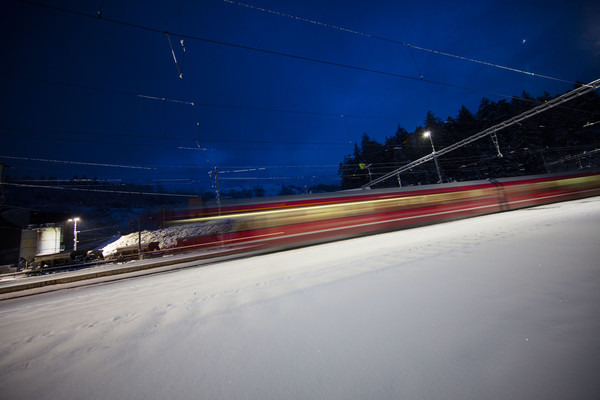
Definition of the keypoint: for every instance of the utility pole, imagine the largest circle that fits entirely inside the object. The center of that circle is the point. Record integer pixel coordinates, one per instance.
(139, 236)
(2, 167)
(74, 221)
(218, 192)
(220, 223)
(435, 160)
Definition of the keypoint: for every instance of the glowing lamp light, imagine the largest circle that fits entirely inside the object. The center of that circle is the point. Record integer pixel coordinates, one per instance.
(437, 166)
(74, 221)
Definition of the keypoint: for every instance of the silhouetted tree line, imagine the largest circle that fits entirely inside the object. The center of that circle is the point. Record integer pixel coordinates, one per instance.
(562, 138)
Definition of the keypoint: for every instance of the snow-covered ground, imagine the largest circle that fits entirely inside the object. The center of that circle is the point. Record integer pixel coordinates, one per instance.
(505, 306)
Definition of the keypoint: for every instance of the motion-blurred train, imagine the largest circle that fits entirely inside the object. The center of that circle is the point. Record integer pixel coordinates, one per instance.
(285, 222)
(270, 224)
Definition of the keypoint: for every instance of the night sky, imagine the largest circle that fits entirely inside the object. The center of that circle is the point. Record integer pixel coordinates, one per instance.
(278, 92)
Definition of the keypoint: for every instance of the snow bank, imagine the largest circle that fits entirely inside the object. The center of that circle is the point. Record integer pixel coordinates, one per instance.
(166, 238)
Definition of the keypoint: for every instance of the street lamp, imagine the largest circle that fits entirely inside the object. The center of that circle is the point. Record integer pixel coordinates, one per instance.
(74, 221)
(368, 168)
(437, 167)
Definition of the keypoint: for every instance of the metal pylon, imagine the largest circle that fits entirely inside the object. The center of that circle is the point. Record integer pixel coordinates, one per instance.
(495, 141)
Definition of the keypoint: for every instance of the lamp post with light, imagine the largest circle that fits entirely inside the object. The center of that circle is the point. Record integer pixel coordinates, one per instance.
(368, 168)
(437, 166)
(74, 221)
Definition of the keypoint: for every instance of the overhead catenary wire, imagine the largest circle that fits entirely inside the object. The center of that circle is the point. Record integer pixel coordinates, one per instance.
(228, 169)
(174, 57)
(100, 9)
(416, 64)
(294, 143)
(142, 27)
(96, 190)
(203, 104)
(100, 89)
(239, 169)
(318, 113)
(272, 52)
(343, 115)
(258, 108)
(175, 138)
(409, 45)
(583, 89)
(76, 162)
(258, 147)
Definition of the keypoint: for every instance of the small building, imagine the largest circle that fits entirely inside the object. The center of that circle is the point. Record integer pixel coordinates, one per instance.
(14, 221)
(41, 240)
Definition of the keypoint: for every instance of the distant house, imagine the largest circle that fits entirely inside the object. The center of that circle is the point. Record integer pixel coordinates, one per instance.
(14, 220)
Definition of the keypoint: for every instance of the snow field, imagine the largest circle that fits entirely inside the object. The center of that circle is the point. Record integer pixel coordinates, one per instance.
(499, 306)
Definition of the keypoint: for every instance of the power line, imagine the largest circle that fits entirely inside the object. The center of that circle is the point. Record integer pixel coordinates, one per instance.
(175, 58)
(281, 110)
(491, 131)
(410, 46)
(197, 104)
(265, 51)
(173, 138)
(76, 162)
(96, 190)
(112, 91)
(226, 170)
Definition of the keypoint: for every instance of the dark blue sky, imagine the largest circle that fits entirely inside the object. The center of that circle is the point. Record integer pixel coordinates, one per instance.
(88, 91)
